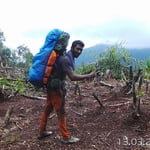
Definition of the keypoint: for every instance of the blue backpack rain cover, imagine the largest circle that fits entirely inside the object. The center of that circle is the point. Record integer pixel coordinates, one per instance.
(37, 70)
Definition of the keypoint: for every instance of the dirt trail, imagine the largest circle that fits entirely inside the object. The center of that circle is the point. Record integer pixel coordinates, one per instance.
(108, 128)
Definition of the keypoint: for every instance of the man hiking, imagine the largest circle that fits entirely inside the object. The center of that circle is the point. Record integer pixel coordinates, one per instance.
(64, 66)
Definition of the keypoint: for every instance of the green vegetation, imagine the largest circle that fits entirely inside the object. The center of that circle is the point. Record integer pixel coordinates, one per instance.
(115, 58)
(20, 57)
(147, 69)
(14, 66)
(13, 86)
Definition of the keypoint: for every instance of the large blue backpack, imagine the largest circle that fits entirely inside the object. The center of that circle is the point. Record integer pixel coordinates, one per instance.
(40, 60)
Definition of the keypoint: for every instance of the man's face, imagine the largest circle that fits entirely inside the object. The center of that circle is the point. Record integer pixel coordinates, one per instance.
(77, 50)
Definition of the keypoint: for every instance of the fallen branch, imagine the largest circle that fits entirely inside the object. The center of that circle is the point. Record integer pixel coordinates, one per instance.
(6, 68)
(120, 104)
(76, 112)
(106, 84)
(34, 97)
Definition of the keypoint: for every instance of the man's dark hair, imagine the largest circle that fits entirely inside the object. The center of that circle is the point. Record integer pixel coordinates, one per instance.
(77, 42)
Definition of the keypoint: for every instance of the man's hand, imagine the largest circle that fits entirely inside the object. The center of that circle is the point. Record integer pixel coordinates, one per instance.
(93, 74)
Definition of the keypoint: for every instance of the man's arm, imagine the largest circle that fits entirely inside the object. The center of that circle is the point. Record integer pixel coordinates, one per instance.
(76, 77)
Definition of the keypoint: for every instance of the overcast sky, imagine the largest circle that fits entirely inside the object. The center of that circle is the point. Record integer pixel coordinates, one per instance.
(92, 21)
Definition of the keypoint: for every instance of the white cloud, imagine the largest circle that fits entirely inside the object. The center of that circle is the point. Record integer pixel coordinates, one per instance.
(93, 21)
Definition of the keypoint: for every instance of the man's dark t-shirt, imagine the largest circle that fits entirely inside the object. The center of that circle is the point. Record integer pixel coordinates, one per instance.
(62, 65)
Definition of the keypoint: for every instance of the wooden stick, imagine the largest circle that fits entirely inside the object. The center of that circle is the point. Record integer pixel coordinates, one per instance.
(52, 116)
(98, 100)
(7, 116)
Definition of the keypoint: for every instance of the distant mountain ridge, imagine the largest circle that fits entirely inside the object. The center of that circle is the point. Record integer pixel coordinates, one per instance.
(90, 54)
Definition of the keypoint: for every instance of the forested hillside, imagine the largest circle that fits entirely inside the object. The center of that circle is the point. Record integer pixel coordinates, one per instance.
(90, 55)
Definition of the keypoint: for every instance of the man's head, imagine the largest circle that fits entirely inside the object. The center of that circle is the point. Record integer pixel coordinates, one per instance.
(77, 47)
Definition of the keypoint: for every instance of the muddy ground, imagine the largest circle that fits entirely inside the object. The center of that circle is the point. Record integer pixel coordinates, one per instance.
(110, 127)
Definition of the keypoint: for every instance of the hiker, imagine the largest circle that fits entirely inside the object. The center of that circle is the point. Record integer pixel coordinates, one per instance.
(64, 66)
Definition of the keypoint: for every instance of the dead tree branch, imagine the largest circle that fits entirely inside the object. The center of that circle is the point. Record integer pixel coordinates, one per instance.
(98, 100)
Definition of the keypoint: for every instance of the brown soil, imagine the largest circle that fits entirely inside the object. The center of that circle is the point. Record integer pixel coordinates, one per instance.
(108, 128)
